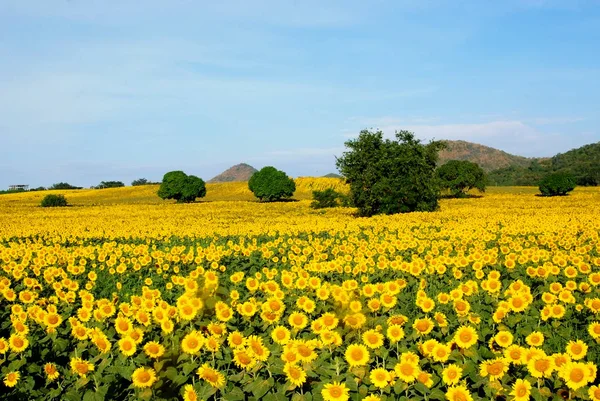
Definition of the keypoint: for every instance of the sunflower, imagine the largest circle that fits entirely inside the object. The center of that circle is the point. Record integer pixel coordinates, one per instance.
(101, 341)
(577, 349)
(17, 343)
(294, 374)
(494, 368)
(211, 376)
(357, 355)
(407, 371)
(575, 374)
(192, 343)
(51, 371)
(154, 349)
(3, 346)
(458, 393)
(503, 338)
(594, 393)
(256, 348)
(423, 326)
(305, 350)
(451, 374)
(11, 379)
(395, 333)
(560, 360)
(298, 320)
(465, 337)
(372, 339)
(541, 366)
(521, 390)
(127, 346)
(372, 398)
(235, 339)
(280, 335)
(535, 339)
(243, 359)
(123, 325)
(335, 391)
(441, 353)
(81, 367)
(594, 330)
(380, 377)
(189, 394)
(143, 377)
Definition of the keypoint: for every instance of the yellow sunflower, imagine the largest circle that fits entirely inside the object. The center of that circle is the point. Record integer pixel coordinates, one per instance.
(380, 377)
(81, 367)
(451, 374)
(17, 343)
(521, 390)
(11, 379)
(465, 337)
(541, 366)
(458, 393)
(575, 374)
(594, 393)
(494, 368)
(372, 339)
(577, 349)
(51, 371)
(192, 343)
(295, 375)
(407, 371)
(143, 377)
(127, 346)
(154, 349)
(189, 394)
(357, 355)
(335, 391)
(211, 376)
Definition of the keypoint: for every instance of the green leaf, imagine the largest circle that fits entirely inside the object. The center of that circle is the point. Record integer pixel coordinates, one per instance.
(262, 386)
(235, 394)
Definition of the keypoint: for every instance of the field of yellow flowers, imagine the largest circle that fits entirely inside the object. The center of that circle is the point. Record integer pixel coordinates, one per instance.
(123, 296)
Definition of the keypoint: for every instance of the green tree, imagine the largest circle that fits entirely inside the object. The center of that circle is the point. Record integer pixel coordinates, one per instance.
(54, 201)
(110, 184)
(270, 184)
(391, 176)
(557, 184)
(181, 187)
(325, 199)
(139, 181)
(460, 176)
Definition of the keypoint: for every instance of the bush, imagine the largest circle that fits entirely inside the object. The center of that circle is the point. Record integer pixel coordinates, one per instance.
(54, 201)
(391, 176)
(460, 176)
(110, 184)
(557, 184)
(270, 184)
(63, 185)
(181, 187)
(325, 199)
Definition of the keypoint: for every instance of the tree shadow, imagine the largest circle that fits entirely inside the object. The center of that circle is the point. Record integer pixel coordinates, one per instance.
(466, 196)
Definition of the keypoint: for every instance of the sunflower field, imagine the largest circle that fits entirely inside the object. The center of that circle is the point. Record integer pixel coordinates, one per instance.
(124, 297)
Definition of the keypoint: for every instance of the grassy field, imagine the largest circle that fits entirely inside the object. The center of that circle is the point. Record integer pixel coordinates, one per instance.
(125, 296)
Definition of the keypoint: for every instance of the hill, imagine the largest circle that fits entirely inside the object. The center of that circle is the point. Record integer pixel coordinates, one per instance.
(332, 175)
(488, 158)
(583, 163)
(239, 172)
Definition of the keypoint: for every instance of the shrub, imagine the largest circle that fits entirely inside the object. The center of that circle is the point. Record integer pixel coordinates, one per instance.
(181, 187)
(391, 176)
(54, 201)
(557, 184)
(63, 185)
(139, 181)
(325, 199)
(110, 184)
(460, 176)
(270, 184)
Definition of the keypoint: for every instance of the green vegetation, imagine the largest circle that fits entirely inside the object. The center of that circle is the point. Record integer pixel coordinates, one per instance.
(460, 176)
(391, 176)
(582, 163)
(270, 184)
(326, 199)
(109, 184)
(557, 184)
(181, 187)
(63, 185)
(54, 201)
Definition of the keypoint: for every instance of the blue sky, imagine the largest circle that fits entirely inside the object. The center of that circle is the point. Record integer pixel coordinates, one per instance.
(94, 90)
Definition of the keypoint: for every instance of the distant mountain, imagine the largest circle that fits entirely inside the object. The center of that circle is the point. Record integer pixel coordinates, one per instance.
(486, 157)
(239, 172)
(332, 175)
